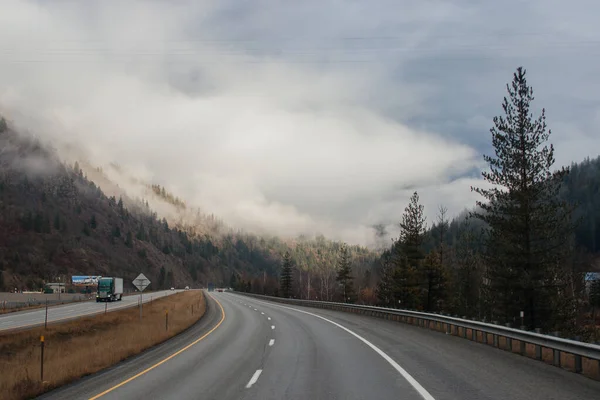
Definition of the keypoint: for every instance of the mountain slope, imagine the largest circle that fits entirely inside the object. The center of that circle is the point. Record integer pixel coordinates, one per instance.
(56, 222)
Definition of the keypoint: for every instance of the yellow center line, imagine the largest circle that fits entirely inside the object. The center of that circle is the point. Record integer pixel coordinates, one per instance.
(166, 359)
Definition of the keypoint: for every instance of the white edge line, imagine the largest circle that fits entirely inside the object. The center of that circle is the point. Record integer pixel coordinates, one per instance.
(413, 382)
(254, 378)
(271, 342)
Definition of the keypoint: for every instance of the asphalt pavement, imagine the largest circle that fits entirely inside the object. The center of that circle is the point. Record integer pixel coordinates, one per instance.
(263, 350)
(36, 317)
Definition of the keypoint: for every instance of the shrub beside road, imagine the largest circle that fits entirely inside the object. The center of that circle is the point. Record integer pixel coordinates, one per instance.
(81, 347)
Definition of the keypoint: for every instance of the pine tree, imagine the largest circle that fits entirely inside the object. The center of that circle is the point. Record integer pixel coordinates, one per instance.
(385, 287)
(442, 226)
(93, 222)
(528, 224)
(406, 284)
(468, 274)
(344, 275)
(120, 206)
(286, 276)
(412, 231)
(435, 280)
(3, 125)
(141, 234)
(162, 276)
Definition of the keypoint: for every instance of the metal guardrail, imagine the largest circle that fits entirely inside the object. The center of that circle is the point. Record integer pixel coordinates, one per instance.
(461, 327)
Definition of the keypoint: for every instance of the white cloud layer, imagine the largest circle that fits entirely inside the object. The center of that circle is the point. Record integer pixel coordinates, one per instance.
(295, 117)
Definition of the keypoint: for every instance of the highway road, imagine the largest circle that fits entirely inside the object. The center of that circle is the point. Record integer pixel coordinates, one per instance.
(36, 317)
(244, 348)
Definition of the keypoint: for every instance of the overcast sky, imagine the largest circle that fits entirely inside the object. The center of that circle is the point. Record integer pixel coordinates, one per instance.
(299, 116)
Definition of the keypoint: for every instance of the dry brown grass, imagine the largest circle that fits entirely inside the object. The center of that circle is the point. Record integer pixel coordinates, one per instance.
(84, 346)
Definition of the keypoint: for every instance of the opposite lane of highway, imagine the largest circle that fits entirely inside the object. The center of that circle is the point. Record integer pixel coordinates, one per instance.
(36, 317)
(263, 350)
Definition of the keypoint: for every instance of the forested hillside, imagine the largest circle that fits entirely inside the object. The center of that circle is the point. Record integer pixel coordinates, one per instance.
(55, 222)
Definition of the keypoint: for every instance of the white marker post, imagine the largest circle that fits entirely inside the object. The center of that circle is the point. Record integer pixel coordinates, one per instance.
(141, 283)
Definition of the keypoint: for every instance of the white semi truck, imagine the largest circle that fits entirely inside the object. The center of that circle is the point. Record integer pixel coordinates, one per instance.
(109, 289)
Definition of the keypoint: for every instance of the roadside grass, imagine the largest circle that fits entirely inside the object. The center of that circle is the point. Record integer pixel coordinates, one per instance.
(81, 347)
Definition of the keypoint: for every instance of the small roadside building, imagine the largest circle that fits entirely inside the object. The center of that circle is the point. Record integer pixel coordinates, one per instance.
(54, 288)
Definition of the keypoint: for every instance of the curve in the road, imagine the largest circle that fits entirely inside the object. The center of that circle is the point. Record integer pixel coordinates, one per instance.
(164, 360)
(264, 350)
(416, 385)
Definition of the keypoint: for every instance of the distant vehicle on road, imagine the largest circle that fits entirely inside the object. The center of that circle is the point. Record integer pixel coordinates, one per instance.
(187, 288)
(110, 289)
(172, 288)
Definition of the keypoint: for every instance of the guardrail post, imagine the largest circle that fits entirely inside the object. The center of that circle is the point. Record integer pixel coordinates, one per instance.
(473, 335)
(556, 353)
(508, 340)
(578, 364)
(538, 349)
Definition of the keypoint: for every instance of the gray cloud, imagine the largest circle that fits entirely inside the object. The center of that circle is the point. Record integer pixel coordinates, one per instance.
(297, 117)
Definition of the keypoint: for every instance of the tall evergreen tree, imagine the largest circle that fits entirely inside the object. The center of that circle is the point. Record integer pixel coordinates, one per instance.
(442, 226)
(411, 284)
(344, 275)
(528, 224)
(286, 276)
(385, 287)
(412, 231)
(162, 276)
(468, 276)
(405, 278)
(435, 278)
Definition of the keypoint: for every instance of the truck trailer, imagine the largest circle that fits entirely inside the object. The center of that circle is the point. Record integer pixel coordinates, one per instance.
(110, 289)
